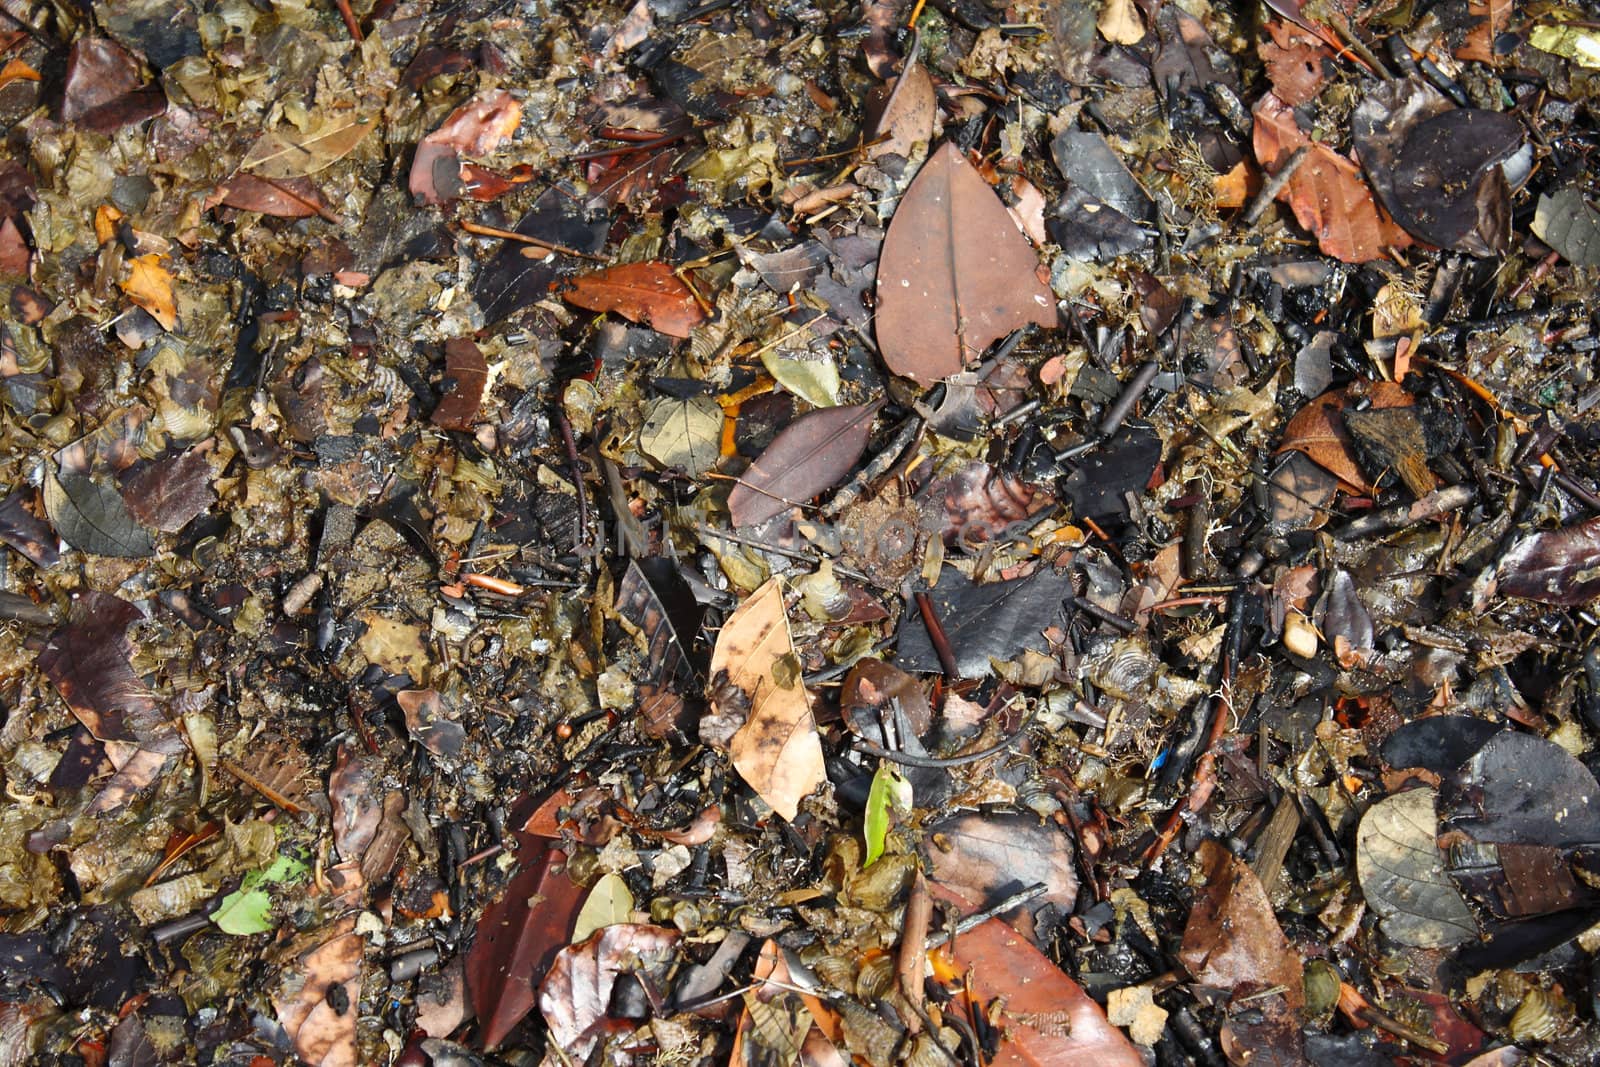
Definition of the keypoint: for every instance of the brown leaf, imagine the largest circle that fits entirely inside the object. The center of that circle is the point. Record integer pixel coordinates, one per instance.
(1327, 192)
(16, 70)
(465, 375)
(810, 455)
(149, 285)
(519, 936)
(777, 750)
(1555, 567)
(105, 88)
(168, 493)
(907, 111)
(1318, 431)
(284, 198)
(295, 153)
(1293, 58)
(986, 858)
(576, 998)
(1045, 1018)
(1232, 939)
(955, 274)
(357, 797)
(473, 131)
(647, 293)
(323, 1034)
(87, 661)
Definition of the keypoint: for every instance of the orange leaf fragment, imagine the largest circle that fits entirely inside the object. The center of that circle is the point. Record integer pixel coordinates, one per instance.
(648, 293)
(149, 285)
(16, 70)
(1327, 193)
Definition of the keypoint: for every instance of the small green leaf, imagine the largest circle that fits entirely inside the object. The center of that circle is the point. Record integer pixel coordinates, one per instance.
(248, 909)
(890, 792)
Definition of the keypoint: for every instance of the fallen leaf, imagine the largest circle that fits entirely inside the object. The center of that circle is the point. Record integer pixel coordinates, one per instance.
(1327, 193)
(1490, 19)
(777, 751)
(466, 373)
(170, 492)
(87, 660)
(576, 996)
(955, 274)
(93, 518)
(908, 110)
(1119, 22)
(1045, 1019)
(648, 293)
(105, 88)
(609, 902)
(475, 129)
(1317, 430)
(285, 198)
(1560, 566)
(1402, 873)
(1232, 939)
(988, 857)
(149, 285)
(995, 621)
(1568, 223)
(1293, 58)
(519, 937)
(318, 1001)
(395, 646)
(811, 454)
(294, 153)
(686, 434)
(16, 70)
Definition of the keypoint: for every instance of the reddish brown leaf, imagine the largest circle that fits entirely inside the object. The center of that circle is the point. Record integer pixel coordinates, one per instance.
(955, 273)
(1556, 566)
(167, 494)
(576, 998)
(1318, 430)
(987, 857)
(1045, 1018)
(647, 293)
(323, 1035)
(519, 936)
(1327, 193)
(285, 198)
(472, 131)
(1232, 939)
(1293, 58)
(465, 375)
(104, 88)
(810, 455)
(87, 661)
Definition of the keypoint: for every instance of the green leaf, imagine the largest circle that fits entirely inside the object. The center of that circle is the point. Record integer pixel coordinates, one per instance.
(890, 792)
(248, 909)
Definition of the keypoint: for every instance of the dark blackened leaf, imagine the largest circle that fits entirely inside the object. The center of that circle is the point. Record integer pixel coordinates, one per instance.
(1567, 223)
(810, 455)
(105, 89)
(465, 375)
(1439, 743)
(520, 274)
(1086, 228)
(1448, 184)
(87, 661)
(639, 603)
(519, 936)
(1299, 492)
(1521, 789)
(92, 518)
(1344, 620)
(26, 532)
(1389, 111)
(1391, 439)
(987, 858)
(430, 720)
(1090, 164)
(167, 494)
(1555, 567)
(1122, 465)
(956, 274)
(995, 621)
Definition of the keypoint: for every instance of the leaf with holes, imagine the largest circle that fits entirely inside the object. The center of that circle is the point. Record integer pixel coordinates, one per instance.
(648, 293)
(810, 455)
(955, 274)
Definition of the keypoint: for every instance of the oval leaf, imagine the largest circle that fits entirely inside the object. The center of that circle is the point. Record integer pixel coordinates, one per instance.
(810, 455)
(1401, 870)
(955, 273)
(1555, 567)
(92, 518)
(647, 293)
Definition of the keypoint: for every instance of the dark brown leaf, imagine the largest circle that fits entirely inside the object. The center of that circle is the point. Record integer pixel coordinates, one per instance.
(955, 275)
(170, 492)
(87, 661)
(104, 89)
(1293, 58)
(465, 375)
(286, 198)
(519, 936)
(1232, 939)
(648, 293)
(1559, 566)
(25, 531)
(986, 858)
(810, 455)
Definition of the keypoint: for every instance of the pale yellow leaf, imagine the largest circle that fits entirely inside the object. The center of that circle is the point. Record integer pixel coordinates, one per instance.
(293, 153)
(1119, 22)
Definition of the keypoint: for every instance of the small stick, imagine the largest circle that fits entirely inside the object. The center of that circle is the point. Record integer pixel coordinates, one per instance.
(978, 918)
(350, 22)
(492, 584)
(577, 475)
(522, 238)
(936, 636)
(913, 955)
(937, 762)
(1273, 186)
(1122, 407)
(1434, 505)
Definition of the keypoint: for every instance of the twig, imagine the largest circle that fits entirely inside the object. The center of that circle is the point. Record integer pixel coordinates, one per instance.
(937, 762)
(1434, 505)
(1122, 407)
(522, 238)
(978, 918)
(1273, 186)
(350, 22)
(913, 955)
(936, 636)
(577, 476)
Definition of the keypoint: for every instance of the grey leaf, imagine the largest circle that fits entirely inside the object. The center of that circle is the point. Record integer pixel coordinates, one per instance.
(1403, 877)
(93, 518)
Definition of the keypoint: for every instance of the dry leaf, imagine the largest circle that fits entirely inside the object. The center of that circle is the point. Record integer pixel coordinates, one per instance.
(17, 70)
(1327, 192)
(576, 997)
(955, 273)
(810, 455)
(465, 375)
(1293, 58)
(284, 198)
(473, 130)
(320, 1019)
(1232, 939)
(293, 153)
(648, 293)
(1119, 22)
(149, 285)
(909, 110)
(777, 750)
